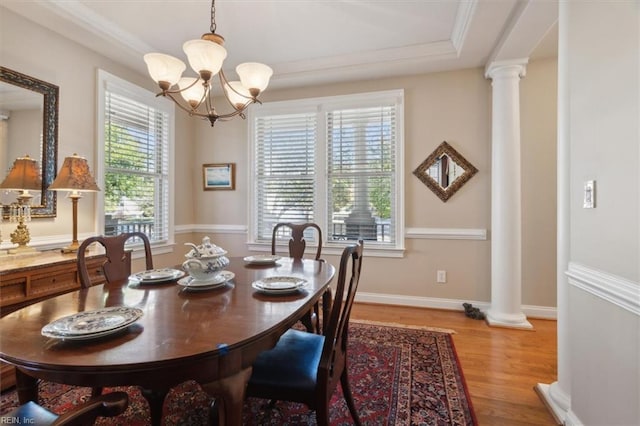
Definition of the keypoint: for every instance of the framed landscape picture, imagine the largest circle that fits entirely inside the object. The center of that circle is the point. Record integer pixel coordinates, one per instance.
(219, 176)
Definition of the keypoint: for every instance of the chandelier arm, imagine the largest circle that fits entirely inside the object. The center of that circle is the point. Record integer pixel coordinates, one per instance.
(225, 117)
(181, 90)
(190, 111)
(224, 83)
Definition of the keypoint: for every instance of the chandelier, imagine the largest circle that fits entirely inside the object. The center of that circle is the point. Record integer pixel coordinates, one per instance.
(205, 57)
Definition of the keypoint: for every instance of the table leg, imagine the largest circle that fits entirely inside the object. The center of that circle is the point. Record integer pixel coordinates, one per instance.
(231, 391)
(155, 398)
(26, 386)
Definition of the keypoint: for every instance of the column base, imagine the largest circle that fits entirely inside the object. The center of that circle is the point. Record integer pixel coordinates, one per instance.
(559, 413)
(495, 319)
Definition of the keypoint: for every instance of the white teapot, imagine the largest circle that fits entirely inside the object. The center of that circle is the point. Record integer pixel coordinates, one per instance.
(204, 262)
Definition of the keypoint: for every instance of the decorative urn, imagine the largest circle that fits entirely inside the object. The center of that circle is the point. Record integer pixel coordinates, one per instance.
(205, 261)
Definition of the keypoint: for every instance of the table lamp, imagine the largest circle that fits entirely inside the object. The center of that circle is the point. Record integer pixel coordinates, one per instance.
(74, 176)
(23, 177)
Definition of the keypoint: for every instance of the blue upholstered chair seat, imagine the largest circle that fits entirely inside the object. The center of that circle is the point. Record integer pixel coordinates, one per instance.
(292, 365)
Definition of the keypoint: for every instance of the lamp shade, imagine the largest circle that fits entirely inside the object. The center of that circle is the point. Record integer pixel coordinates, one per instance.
(191, 90)
(163, 67)
(74, 175)
(24, 175)
(237, 94)
(254, 75)
(204, 55)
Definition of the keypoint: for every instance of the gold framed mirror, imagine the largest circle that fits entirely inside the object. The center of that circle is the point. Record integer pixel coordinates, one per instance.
(445, 171)
(33, 104)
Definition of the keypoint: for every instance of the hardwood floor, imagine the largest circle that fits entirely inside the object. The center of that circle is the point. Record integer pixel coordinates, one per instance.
(501, 366)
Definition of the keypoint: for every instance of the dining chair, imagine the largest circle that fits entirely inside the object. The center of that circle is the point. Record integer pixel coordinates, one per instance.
(297, 246)
(297, 243)
(107, 405)
(306, 367)
(117, 265)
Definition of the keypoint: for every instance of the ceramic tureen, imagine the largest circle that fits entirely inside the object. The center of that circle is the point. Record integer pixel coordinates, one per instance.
(205, 261)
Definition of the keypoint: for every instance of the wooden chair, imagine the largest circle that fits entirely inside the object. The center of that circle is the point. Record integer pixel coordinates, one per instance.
(305, 367)
(297, 243)
(117, 265)
(297, 246)
(108, 405)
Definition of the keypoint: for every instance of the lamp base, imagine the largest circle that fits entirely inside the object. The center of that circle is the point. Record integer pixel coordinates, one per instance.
(71, 248)
(22, 250)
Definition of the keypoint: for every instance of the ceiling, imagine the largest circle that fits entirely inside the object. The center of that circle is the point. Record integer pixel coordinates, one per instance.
(311, 41)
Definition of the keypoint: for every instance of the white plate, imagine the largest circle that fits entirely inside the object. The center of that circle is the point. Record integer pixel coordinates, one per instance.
(262, 259)
(92, 322)
(193, 284)
(155, 276)
(279, 285)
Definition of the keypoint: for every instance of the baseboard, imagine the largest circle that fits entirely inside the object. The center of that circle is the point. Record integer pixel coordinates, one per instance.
(541, 312)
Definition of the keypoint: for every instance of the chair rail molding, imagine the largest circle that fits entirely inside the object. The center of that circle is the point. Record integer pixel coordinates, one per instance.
(612, 288)
(447, 233)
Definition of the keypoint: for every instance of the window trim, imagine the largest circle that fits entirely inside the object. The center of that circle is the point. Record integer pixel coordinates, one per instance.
(320, 105)
(142, 95)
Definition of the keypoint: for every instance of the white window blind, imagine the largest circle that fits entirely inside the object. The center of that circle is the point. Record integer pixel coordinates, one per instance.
(136, 167)
(285, 171)
(361, 173)
(335, 161)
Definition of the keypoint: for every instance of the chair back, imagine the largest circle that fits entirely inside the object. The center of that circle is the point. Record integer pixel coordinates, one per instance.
(334, 353)
(117, 265)
(297, 243)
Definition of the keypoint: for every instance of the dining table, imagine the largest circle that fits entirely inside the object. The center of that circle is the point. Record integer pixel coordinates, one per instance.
(211, 336)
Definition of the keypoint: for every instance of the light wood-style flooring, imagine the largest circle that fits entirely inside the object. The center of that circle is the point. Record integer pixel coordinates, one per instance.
(501, 366)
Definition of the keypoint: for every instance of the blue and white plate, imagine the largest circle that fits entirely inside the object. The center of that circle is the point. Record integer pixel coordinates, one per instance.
(92, 323)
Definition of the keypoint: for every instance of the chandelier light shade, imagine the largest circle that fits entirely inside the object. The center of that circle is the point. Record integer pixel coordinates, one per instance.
(23, 177)
(74, 176)
(206, 56)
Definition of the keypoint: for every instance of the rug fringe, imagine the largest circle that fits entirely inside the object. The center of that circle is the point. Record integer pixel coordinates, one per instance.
(414, 327)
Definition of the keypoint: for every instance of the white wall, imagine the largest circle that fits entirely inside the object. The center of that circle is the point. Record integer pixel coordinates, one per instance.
(452, 106)
(604, 291)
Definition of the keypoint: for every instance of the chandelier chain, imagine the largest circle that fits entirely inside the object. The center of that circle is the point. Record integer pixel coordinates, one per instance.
(213, 17)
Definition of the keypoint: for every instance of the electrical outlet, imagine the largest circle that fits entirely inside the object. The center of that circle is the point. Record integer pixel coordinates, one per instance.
(441, 276)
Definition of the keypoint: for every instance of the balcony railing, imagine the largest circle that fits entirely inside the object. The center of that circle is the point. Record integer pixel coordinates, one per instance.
(119, 226)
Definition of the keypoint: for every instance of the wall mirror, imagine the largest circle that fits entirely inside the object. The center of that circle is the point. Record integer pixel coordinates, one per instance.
(29, 125)
(445, 171)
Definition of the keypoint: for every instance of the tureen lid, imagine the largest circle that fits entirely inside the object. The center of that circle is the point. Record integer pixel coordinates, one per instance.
(206, 249)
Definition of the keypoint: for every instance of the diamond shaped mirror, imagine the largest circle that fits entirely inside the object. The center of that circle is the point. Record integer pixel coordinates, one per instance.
(445, 171)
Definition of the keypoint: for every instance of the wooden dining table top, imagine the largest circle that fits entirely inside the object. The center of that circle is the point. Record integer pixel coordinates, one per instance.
(182, 335)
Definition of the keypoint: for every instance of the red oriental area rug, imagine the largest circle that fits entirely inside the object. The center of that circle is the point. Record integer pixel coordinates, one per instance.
(399, 376)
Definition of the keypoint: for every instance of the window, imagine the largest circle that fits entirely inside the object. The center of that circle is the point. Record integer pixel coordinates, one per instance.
(135, 134)
(335, 161)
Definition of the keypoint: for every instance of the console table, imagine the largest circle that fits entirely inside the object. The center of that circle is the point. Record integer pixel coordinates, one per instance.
(30, 278)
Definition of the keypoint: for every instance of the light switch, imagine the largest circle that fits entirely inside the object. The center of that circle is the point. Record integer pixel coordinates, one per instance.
(589, 195)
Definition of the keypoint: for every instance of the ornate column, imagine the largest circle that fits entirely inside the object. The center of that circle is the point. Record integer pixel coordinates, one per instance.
(506, 204)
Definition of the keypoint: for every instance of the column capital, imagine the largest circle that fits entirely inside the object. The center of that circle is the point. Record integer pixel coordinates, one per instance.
(510, 68)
